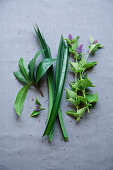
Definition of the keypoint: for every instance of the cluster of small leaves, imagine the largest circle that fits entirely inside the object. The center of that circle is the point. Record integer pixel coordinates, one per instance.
(37, 109)
(30, 78)
(79, 94)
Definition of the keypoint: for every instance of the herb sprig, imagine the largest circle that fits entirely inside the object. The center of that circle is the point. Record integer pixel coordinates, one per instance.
(30, 78)
(79, 95)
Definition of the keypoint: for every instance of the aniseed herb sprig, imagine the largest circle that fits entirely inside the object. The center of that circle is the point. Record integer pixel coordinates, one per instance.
(79, 95)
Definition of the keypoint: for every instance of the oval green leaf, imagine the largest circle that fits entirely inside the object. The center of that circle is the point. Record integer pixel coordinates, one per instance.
(43, 67)
(20, 98)
(20, 77)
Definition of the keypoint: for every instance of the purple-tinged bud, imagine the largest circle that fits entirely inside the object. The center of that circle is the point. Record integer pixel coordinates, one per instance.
(36, 109)
(79, 49)
(94, 42)
(70, 37)
(37, 105)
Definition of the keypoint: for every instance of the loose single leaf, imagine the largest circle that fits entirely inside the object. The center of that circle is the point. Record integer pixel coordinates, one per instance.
(90, 64)
(43, 67)
(35, 113)
(31, 65)
(20, 77)
(70, 94)
(20, 98)
(91, 98)
(37, 102)
(23, 68)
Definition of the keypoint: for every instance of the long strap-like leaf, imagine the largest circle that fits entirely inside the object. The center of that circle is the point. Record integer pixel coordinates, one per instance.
(59, 90)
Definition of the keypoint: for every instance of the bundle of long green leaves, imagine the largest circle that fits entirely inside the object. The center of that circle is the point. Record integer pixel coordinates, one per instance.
(55, 84)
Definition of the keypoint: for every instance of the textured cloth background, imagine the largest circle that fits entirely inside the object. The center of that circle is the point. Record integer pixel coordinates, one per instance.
(90, 145)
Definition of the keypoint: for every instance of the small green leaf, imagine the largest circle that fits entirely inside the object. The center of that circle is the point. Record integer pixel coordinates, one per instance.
(74, 45)
(85, 76)
(75, 85)
(90, 64)
(84, 83)
(81, 111)
(31, 65)
(23, 68)
(34, 113)
(70, 94)
(20, 77)
(37, 102)
(43, 67)
(91, 39)
(91, 98)
(68, 41)
(71, 113)
(75, 39)
(82, 99)
(76, 67)
(82, 61)
(73, 101)
(20, 98)
(100, 46)
(77, 114)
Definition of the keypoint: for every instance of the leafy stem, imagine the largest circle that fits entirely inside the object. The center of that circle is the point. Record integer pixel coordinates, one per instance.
(77, 95)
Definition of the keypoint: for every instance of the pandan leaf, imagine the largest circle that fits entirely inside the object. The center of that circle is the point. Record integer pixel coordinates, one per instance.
(51, 83)
(20, 77)
(31, 65)
(43, 67)
(23, 68)
(59, 89)
(20, 98)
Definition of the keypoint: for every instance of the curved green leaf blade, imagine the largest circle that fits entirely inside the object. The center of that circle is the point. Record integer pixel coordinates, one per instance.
(20, 98)
(31, 65)
(37, 102)
(20, 77)
(34, 113)
(58, 93)
(23, 68)
(43, 67)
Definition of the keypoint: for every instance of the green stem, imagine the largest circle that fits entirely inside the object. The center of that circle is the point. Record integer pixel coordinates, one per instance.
(84, 94)
(87, 56)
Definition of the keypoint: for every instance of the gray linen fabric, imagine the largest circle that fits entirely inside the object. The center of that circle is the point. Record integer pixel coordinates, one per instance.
(90, 145)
